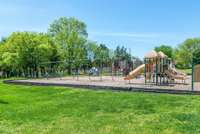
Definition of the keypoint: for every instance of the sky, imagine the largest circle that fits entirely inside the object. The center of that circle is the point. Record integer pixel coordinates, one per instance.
(139, 25)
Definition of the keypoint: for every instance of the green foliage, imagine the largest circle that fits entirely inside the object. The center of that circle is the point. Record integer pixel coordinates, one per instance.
(168, 50)
(3, 40)
(98, 54)
(91, 50)
(196, 56)
(186, 71)
(64, 27)
(121, 54)
(102, 55)
(64, 47)
(23, 52)
(33, 110)
(184, 52)
(70, 34)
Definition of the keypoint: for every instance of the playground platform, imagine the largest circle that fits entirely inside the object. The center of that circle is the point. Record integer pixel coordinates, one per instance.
(112, 83)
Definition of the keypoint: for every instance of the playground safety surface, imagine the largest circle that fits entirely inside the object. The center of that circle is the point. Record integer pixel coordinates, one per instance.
(112, 83)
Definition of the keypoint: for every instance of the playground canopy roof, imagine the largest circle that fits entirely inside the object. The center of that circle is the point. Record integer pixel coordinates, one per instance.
(162, 55)
(154, 54)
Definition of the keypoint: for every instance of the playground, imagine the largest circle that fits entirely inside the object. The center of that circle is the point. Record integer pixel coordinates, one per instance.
(158, 73)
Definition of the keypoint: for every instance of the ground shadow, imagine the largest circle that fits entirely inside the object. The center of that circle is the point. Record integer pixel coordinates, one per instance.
(3, 102)
(151, 85)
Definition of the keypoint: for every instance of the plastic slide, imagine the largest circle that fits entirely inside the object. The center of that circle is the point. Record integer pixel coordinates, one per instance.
(135, 72)
(174, 74)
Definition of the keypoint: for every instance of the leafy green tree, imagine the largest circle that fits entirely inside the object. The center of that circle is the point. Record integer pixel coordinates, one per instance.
(28, 50)
(121, 54)
(184, 52)
(91, 49)
(3, 40)
(168, 50)
(98, 54)
(196, 56)
(70, 34)
(9, 63)
(102, 55)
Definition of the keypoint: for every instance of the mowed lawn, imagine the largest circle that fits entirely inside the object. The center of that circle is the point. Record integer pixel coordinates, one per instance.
(38, 110)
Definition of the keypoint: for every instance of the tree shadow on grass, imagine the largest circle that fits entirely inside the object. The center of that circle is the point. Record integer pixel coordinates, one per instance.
(3, 102)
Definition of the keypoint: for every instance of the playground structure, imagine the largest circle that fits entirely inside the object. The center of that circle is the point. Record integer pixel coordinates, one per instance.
(157, 72)
(158, 69)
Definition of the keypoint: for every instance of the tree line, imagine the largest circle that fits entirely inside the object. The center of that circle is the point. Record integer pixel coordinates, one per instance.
(185, 54)
(64, 47)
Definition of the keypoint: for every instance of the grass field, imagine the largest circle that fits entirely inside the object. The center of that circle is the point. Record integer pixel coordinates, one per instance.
(187, 71)
(25, 109)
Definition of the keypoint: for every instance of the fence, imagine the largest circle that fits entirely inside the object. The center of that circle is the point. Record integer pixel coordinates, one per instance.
(195, 75)
(92, 70)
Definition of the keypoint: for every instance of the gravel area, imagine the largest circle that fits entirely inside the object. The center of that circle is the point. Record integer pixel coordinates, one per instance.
(115, 82)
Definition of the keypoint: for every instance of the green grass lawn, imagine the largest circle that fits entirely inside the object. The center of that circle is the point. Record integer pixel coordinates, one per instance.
(187, 71)
(26, 109)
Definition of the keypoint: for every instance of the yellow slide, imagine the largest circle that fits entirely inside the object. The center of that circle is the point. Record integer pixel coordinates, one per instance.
(135, 72)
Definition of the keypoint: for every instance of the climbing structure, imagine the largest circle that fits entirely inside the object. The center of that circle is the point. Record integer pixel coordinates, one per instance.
(156, 65)
(158, 69)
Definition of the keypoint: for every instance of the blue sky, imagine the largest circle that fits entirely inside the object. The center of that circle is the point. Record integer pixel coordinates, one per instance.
(137, 24)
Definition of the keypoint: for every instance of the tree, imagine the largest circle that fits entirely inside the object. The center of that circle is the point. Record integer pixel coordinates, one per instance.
(121, 53)
(91, 50)
(102, 55)
(63, 27)
(24, 53)
(196, 56)
(9, 63)
(184, 52)
(3, 40)
(70, 34)
(99, 54)
(168, 50)
(137, 62)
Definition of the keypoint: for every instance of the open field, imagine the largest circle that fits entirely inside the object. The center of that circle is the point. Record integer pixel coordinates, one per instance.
(35, 109)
